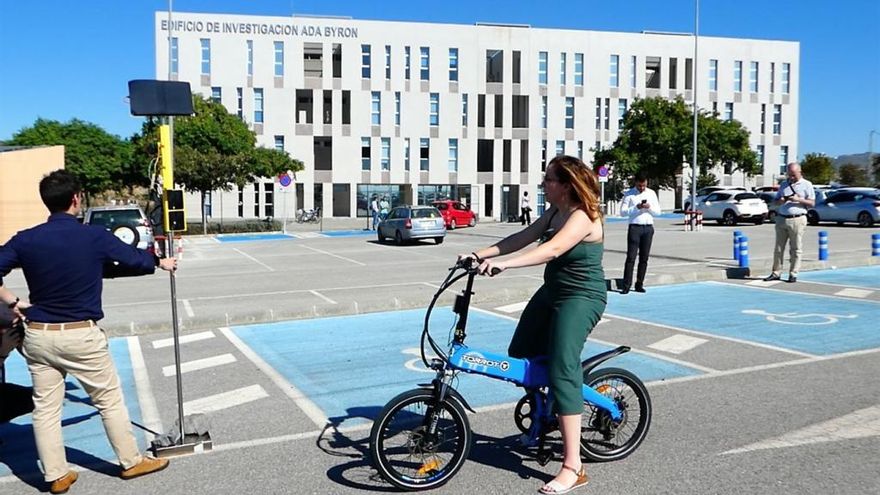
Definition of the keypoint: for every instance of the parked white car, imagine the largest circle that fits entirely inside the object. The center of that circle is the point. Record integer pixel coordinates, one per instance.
(702, 193)
(732, 206)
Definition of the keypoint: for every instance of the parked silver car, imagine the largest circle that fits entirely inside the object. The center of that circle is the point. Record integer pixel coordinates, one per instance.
(853, 204)
(409, 223)
(127, 222)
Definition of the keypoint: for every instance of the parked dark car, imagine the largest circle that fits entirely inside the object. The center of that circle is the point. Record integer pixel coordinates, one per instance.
(409, 223)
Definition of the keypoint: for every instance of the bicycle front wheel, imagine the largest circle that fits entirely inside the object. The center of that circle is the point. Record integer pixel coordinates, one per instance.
(604, 439)
(404, 450)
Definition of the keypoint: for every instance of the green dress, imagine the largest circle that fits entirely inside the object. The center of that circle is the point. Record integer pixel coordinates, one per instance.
(559, 317)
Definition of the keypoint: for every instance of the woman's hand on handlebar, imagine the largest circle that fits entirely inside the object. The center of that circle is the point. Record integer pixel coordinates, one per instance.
(491, 267)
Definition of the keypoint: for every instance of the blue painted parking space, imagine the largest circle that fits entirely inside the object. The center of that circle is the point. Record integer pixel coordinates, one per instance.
(351, 366)
(348, 233)
(83, 431)
(253, 237)
(863, 276)
(797, 321)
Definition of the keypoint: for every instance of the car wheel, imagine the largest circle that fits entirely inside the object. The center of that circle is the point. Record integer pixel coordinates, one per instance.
(812, 218)
(127, 234)
(865, 219)
(380, 236)
(729, 217)
(438, 240)
(398, 238)
(759, 221)
(452, 225)
(472, 222)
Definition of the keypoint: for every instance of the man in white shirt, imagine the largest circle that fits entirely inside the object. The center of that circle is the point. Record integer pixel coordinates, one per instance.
(641, 205)
(525, 209)
(794, 196)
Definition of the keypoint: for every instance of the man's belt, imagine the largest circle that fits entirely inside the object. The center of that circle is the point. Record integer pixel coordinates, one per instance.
(792, 216)
(61, 326)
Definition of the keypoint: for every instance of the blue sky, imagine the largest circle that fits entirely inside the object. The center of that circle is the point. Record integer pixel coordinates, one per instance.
(61, 59)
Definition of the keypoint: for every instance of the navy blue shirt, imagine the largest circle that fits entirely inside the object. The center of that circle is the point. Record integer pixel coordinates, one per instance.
(63, 263)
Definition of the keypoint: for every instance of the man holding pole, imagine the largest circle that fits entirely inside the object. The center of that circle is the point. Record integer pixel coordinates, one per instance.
(63, 262)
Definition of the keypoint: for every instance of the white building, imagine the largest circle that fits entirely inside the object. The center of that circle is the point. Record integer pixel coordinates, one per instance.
(416, 111)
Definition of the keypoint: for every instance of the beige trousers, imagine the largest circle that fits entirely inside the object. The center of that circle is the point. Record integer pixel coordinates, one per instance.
(83, 353)
(790, 230)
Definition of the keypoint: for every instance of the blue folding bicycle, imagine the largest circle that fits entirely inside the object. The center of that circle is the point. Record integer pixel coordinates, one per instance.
(422, 437)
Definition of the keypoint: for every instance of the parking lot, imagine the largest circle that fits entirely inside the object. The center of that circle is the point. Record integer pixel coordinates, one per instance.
(293, 343)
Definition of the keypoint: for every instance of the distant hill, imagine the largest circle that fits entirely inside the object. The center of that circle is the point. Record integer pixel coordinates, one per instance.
(861, 159)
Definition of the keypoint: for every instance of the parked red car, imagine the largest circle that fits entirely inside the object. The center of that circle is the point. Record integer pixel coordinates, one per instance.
(455, 214)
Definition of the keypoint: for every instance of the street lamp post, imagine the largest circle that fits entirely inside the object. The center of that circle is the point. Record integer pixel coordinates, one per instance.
(693, 218)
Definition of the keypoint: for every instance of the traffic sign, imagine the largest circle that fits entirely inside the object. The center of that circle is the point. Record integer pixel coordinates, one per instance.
(603, 171)
(284, 179)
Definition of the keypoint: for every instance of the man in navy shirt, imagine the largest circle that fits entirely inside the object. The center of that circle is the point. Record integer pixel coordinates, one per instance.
(63, 262)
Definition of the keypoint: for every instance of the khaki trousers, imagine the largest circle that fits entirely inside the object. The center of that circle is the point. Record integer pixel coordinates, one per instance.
(83, 353)
(789, 230)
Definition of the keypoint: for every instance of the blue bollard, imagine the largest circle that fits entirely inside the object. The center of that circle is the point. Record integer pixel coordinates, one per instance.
(823, 245)
(743, 252)
(875, 244)
(737, 234)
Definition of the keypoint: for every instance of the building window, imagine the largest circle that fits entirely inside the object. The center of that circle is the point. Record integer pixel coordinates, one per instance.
(206, 56)
(786, 71)
(761, 156)
(777, 119)
(494, 66)
(269, 199)
(621, 112)
(520, 111)
(614, 80)
(563, 62)
(607, 113)
(772, 77)
(406, 62)
(365, 153)
(464, 109)
(434, 116)
(713, 75)
(673, 73)
(543, 112)
(216, 94)
(580, 146)
(728, 110)
(337, 60)
(258, 105)
(376, 108)
(753, 77)
(250, 57)
(453, 155)
(239, 97)
(387, 62)
(279, 59)
(453, 64)
(763, 118)
(499, 111)
(313, 60)
(569, 112)
(365, 61)
(328, 106)
(517, 67)
(783, 159)
(424, 153)
(240, 202)
(738, 76)
(346, 106)
(652, 72)
(481, 110)
(406, 154)
(598, 114)
(174, 59)
(256, 199)
(386, 154)
(560, 148)
(578, 69)
(542, 67)
(425, 63)
(543, 155)
(688, 74)
(397, 108)
(632, 71)
(279, 143)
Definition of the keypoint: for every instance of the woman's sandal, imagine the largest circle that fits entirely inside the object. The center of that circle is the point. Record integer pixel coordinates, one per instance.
(555, 488)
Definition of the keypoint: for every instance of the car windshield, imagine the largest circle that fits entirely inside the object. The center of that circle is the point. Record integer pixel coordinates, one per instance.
(112, 218)
(740, 197)
(425, 213)
(440, 206)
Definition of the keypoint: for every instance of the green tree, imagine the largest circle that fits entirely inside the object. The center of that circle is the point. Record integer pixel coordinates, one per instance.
(817, 168)
(853, 175)
(213, 150)
(706, 180)
(97, 158)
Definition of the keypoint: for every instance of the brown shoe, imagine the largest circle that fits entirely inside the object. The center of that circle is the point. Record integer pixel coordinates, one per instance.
(62, 484)
(146, 466)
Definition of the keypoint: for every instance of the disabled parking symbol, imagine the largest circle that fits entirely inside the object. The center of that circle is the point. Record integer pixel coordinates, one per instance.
(795, 318)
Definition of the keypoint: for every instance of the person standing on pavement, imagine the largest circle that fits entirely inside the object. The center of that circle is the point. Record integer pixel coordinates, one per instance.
(384, 207)
(794, 196)
(15, 400)
(374, 210)
(63, 262)
(641, 205)
(525, 209)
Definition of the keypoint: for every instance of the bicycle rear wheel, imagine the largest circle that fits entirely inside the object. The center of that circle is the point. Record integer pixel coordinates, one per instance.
(604, 439)
(406, 454)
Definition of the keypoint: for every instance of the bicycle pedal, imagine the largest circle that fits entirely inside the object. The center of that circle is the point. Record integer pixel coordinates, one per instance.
(543, 457)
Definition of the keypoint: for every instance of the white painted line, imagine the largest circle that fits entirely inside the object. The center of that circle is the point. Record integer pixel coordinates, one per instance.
(322, 296)
(185, 339)
(762, 283)
(188, 308)
(713, 336)
(224, 400)
(149, 412)
(239, 251)
(851, 292)
(334, 255)
(308, 407)
(859, 424)
(513, 308)
(678, 344)
(429, 284)
(797, 293)
(199, 364)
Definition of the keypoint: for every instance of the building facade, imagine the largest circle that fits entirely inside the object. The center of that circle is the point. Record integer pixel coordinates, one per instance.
(419, 111)
(21, 170)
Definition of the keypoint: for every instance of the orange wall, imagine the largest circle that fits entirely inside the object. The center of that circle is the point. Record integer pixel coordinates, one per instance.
(20, 175)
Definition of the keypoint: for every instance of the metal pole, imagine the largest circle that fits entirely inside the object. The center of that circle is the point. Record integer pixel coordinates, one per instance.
(695, 79)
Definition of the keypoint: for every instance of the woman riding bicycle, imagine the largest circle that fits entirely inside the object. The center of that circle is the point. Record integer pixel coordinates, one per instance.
(565, 309)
